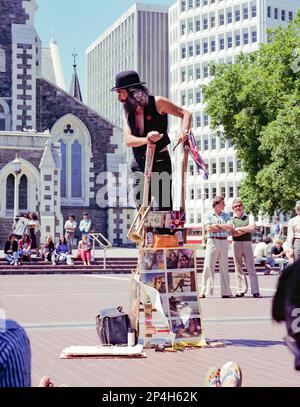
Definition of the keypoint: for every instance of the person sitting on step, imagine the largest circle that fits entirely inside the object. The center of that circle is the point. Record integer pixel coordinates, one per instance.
(11, 250)
(84, 247)
(48, 249)
(262, 256)
(25, 248)
(62, 252)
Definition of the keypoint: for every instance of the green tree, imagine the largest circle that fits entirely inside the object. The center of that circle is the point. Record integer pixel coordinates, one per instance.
(255, 103)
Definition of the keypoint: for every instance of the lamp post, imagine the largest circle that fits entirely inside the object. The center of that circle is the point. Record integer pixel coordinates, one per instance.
(202, 214)
(16, 170)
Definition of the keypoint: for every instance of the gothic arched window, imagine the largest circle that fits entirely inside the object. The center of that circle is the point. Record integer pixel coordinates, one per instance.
(76, 169)
(10, 192)
(63, 174)
(23, 195)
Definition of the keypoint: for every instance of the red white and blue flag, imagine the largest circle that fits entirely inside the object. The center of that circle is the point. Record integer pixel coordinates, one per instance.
(194, 153)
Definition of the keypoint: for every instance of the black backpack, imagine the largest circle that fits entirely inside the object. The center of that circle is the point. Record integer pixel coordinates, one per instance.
(112, 326)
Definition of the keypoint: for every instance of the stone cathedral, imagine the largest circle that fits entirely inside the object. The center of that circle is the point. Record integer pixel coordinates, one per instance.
(62, 144)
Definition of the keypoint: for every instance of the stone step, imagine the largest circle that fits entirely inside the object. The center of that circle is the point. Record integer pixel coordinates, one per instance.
(35, 261)
(20, 271)
(84, 270)
(65, 266)
(113, 265)
(93, 265)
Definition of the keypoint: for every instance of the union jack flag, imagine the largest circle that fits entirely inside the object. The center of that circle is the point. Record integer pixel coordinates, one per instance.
(194, 153)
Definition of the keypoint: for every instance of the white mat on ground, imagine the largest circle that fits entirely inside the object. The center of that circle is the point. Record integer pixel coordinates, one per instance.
(98, 351)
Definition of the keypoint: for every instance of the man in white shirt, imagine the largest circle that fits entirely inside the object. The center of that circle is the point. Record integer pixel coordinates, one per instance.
(294, 234)
(70, 227)
(218, 226)
(19, 226)
(261, 255)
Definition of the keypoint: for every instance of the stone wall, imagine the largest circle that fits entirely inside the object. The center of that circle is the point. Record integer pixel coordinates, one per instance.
(53, 103)
(11, 12)
(8, 155)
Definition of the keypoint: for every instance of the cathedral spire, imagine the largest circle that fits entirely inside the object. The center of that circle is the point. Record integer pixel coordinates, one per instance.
(75, 87)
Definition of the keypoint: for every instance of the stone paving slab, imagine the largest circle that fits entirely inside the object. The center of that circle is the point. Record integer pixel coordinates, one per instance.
(59, 311)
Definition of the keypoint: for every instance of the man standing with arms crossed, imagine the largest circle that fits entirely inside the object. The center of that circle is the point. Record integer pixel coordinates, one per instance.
(217, 225)
(242, 247)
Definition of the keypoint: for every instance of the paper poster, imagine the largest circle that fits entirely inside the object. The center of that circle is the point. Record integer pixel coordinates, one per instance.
(173, 273)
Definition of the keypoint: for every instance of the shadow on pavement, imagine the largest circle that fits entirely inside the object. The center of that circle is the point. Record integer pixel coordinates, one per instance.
(251, 343)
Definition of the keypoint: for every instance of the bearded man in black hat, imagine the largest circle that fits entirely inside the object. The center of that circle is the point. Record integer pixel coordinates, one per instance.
(146, 121)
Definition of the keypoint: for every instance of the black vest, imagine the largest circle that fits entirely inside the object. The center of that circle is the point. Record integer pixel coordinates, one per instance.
(153, 121)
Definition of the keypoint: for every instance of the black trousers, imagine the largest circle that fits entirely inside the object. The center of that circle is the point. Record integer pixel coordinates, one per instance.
(161, 181)
(286, 302)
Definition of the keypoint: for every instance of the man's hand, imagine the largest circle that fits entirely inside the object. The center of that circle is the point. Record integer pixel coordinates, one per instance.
(182, 138)
(153, 136)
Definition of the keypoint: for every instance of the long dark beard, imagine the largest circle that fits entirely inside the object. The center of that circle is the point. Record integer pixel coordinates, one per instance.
(136, 97)
(130, 105)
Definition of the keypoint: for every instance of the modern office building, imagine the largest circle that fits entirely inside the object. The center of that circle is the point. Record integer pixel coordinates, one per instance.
(137, 40)
(202, 31)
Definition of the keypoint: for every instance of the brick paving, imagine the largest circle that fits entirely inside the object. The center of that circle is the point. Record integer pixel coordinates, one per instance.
(59, 310)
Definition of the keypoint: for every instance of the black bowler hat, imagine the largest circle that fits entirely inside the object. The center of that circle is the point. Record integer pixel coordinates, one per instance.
(127, 79)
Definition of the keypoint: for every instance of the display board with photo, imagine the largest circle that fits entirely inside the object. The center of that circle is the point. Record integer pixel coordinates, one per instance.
(181, 281)
(180, 258)
(153, 260)
(172, 272)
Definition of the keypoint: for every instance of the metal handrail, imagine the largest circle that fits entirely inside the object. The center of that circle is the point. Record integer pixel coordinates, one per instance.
(104, 244)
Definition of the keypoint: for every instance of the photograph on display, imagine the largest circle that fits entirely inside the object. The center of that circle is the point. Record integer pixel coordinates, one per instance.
(183, 306)
(181, 282)
(172, 274)
(156, 280)
(172, 259)
(186, 259)
(188, 329)
(154, 260)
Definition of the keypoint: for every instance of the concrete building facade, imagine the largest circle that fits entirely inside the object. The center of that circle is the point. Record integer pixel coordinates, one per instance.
(138, 40)
(202, 31)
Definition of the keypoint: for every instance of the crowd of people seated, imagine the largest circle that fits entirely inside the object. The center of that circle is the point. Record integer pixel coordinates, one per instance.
(25, 241)
(271, 253)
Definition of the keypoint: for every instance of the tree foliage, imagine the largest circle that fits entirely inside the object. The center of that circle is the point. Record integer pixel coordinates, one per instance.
(255, 102)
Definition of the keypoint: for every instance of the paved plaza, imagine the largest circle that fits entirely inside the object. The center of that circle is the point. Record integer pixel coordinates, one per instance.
(59, 310)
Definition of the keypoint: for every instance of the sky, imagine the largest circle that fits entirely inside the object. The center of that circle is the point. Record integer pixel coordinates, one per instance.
(76, 24)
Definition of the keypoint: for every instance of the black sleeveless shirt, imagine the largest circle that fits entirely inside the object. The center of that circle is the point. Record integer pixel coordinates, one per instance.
(153, 121)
